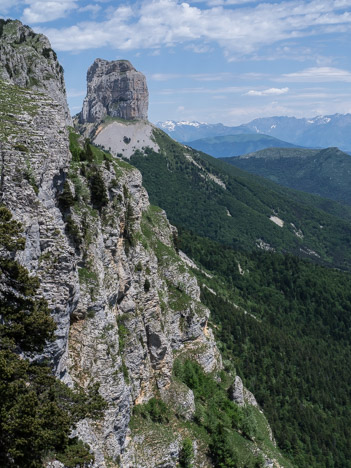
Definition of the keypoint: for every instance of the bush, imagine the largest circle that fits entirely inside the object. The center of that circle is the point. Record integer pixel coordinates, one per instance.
(154, 410)
(65, 199)
(99, 197)
(186, 454)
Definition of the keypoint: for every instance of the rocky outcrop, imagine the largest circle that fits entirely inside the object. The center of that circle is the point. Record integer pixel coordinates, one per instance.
(27, 60)
(115, 89)
(241, 395)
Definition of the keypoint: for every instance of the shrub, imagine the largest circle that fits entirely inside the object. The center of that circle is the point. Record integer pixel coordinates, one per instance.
(155, 410)
(186, 454)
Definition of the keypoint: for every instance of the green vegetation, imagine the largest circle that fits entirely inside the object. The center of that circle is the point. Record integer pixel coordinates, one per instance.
(37, 411)
(221, 420)
(155, 410)
(186, 455)
(289, 340)
(238, 213)
(325, 173)
(28, 175)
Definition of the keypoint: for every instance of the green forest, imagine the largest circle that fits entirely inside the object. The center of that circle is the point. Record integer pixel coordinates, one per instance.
(237, 213)
(284, 324)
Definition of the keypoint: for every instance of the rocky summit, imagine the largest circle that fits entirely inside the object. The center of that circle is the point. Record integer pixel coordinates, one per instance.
(115, 89)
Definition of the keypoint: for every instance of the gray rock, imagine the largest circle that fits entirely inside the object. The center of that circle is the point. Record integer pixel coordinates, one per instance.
(27, 60)
(115, 89)
(240, 395)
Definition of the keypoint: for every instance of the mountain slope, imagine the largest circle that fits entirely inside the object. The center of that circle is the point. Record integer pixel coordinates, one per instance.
(274, 314)
(234, 145)
(284, 323)
(222, 202)
(326, 173)
(284, 318)
(130, 323)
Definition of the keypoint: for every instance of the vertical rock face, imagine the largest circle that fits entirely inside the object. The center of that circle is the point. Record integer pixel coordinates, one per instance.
(115, 89)
(125, 304)
(27, 60)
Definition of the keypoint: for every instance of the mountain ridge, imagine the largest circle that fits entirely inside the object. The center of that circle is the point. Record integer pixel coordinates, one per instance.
(316, 132)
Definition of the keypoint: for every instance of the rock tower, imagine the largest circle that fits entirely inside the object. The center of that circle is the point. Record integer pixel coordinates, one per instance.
(115, 89)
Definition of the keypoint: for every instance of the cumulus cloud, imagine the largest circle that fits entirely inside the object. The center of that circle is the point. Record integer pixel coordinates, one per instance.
(268, 92)
(317, 75)
(42, 11)
(238, 30)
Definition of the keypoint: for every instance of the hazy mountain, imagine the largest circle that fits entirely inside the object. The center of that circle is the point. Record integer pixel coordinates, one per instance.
(322, 172)
(235, 145)
(185, 131)
(316, 132)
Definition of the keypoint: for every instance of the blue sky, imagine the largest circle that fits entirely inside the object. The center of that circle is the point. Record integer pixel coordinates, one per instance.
(226, 61)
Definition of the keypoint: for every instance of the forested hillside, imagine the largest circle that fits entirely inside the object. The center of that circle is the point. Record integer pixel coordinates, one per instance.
(240, 210)
(324, 172)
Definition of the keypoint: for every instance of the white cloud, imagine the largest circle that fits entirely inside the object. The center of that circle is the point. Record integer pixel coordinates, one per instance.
(317, 75)
(239, 31)
(42, 11)
(165, 76)
(268, 92)
(5, 5)
(94, 9)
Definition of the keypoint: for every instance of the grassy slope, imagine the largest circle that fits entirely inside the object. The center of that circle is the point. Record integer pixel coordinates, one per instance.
(326, 173)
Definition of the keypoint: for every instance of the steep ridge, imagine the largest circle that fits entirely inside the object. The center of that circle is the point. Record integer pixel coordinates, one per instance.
(127, 306)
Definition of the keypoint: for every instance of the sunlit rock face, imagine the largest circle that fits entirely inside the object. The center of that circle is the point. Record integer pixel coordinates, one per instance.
(115, 89)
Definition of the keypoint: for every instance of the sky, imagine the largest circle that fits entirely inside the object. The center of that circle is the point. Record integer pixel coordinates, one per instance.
(227, 61)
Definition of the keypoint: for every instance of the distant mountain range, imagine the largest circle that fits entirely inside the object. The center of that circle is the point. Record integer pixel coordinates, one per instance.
(324, 172)
(317, 132)
(235, 145)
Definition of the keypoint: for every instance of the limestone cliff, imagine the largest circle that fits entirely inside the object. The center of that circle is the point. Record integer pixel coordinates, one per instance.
(115, 89)
(27, 60)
